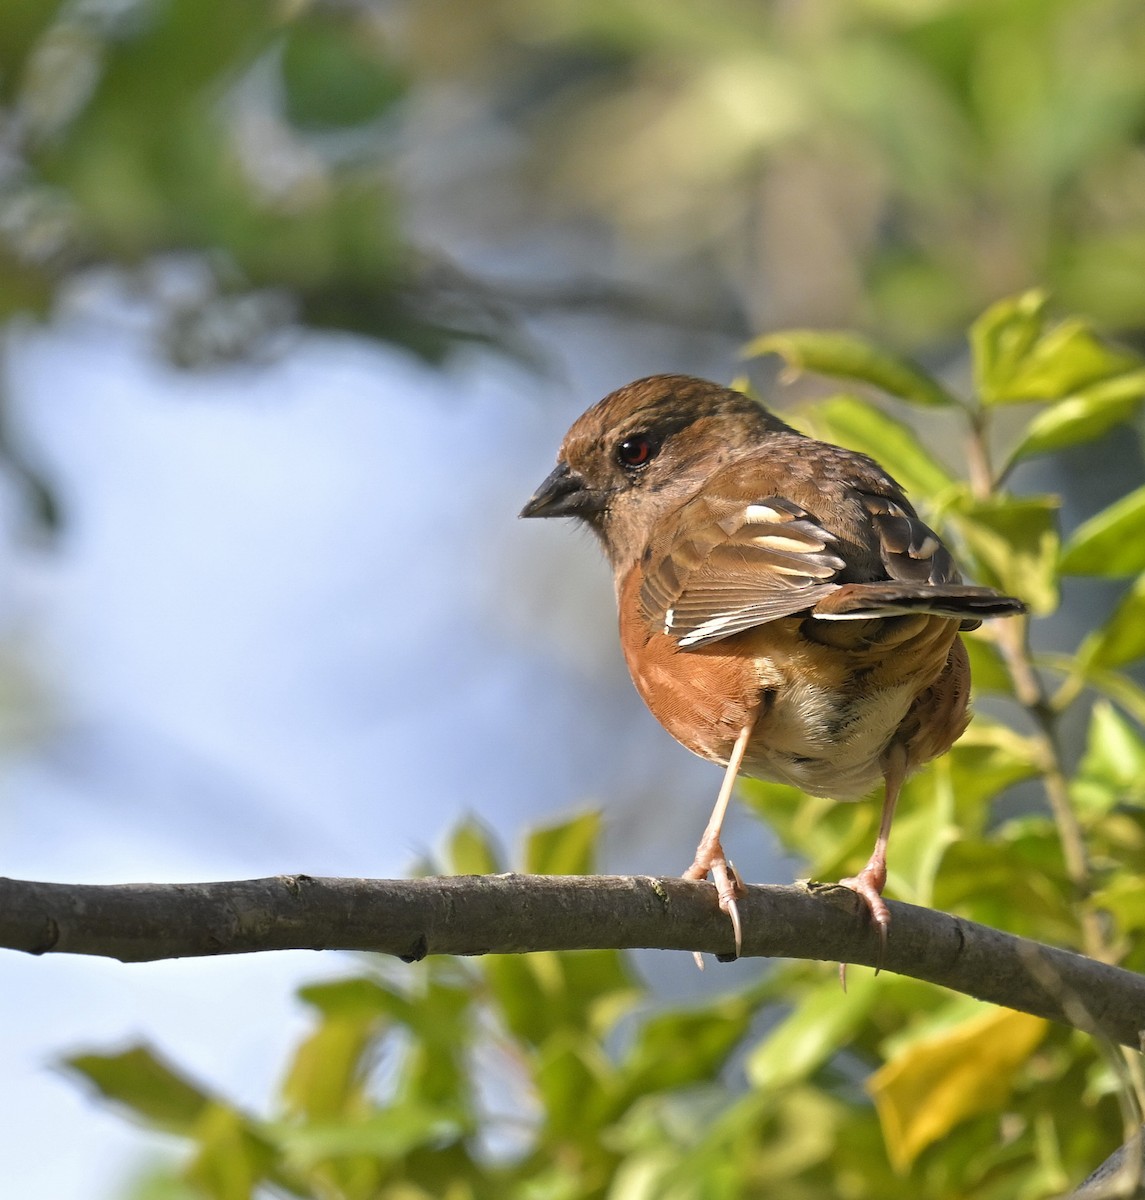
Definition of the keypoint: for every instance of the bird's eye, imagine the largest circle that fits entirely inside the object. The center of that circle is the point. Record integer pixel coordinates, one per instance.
(636, 451)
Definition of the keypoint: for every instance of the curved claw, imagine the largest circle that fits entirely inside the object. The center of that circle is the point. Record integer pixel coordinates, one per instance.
(728, 888)
(868, 886)
(710, 858)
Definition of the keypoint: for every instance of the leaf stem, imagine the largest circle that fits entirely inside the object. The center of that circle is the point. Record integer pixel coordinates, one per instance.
(978, 464)
(1013, 641)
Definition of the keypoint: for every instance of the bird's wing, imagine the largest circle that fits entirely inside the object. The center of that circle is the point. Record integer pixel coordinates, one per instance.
(731, 564)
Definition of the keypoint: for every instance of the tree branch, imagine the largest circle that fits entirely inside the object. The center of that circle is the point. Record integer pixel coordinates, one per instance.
(513, 914)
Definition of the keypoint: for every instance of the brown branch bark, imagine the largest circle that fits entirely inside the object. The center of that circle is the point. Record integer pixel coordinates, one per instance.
(513, 914)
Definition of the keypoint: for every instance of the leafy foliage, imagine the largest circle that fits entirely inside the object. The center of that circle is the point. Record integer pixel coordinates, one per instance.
(891, 164)
(559, 1076)
(244, 138)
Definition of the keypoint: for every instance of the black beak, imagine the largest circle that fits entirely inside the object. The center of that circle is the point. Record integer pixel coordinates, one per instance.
(563, 494)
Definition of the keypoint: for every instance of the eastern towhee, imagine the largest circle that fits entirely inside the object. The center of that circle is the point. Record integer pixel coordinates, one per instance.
(783, 609)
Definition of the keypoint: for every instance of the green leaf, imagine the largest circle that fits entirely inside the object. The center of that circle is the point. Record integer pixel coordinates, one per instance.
(1083, 416)
(1001, 339)
(985, 760)
(1016, 881)
(859, 425)
(1017, 358)
(538, 995)
(519, 997)
(821, 830)
(336, 69)
(923, 1092)
(851, 357)
(387, 1134)
(1124, 900)
(441, 1019)
(143, 1082)
(573, 1076)
(817, 1029)
(565, 849)
(674, 1049)
(1014, 541)
(988, 670)
(472, 850)
(330, 1068)
(1119, 688)
(1112, 770)
(1122, 640)
(231, 1161)
(1112, 543)
(355, 997)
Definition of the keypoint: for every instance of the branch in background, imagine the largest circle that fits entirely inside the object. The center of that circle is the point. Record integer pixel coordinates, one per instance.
(513, 914)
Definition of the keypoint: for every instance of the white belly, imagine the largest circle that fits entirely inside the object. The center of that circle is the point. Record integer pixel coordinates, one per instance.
(807, 741)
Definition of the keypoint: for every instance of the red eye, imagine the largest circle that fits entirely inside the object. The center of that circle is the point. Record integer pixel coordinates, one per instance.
(636, 451)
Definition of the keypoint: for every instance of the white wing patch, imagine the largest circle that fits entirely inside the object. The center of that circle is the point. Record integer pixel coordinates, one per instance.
(735, 566)
(709, 629)
(764, 514)
(784, 545)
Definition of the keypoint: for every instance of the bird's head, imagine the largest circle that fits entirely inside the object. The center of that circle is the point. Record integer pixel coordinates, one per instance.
(644, 450)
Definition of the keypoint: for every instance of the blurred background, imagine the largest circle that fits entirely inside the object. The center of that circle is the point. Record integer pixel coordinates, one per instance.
(299, 298)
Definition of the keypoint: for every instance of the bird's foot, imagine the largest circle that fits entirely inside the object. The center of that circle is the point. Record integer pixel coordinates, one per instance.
(868, 886)
(711, 860)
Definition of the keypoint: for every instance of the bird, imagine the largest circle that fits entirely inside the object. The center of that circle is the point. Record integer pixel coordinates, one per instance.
(783, 609)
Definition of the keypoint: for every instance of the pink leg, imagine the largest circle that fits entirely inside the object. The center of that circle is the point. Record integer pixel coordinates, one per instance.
(871, 880)
(710, 856)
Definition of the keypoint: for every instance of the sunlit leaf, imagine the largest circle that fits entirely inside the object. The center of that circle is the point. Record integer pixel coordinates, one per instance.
(565, 849)
(573, 1076)
(328, 1074)
(386, 1134)
(140, 1080)
(676, 1048)
(855, 359)
(1124, 900)
(1112, 543)
(1018, 357)
(355, 997)
(441, 1019)
(1122, 639)
(471, 850)
(806, 1038)
(859, 425)
(1120, 689)
(1016, 881)
(928, 1088)
(1112, 771)
(515, 983)
(1014, 540)
(988, 758)
(1083, 416)
(162, 1185)
(231, 1161)
(1000, 340)
(987, 667)
(539, 995)
(822, 831)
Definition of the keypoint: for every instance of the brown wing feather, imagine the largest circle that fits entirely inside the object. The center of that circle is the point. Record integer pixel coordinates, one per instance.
(735, 562)
(731, 566)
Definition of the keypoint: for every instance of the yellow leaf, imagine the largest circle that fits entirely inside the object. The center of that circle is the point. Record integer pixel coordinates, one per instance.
(938, 1081)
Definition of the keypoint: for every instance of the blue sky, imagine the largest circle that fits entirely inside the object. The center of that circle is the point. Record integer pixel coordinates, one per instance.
(292, 624)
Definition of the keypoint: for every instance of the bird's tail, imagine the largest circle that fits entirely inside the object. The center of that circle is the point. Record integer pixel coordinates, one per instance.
(958, 601)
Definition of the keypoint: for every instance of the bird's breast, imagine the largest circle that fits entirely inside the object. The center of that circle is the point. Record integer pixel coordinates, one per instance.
(824, 714)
